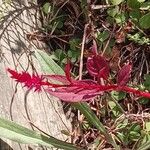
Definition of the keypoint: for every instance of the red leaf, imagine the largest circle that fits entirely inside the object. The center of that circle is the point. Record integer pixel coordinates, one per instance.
(66, 96)
(124, 75)
(82, 90)
(73, 94)
(97, 66)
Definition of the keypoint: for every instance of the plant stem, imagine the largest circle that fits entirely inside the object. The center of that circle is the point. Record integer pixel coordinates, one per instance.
(82, 52)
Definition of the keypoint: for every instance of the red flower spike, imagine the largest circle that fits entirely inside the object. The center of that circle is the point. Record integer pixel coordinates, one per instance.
(18, 76)
(124, 75)
(34, 81)
(13, 73)
(98, 67)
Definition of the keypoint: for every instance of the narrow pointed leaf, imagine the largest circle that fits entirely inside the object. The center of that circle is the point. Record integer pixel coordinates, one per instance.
(48, 64)
(68, 96)
(74, 93)
(144, 146)
(15, 132)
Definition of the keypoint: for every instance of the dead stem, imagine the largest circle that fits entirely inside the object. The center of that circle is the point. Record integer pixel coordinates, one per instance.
(82, 52)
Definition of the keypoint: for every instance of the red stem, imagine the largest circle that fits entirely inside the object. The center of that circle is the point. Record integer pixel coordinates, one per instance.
(134, 91)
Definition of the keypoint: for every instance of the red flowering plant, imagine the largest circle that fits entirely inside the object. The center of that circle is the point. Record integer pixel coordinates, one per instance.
(68, 89)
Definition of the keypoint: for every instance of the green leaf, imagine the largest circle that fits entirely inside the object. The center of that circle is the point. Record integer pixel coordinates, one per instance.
(134, 4)
(118, 95)
(123, 124)
(146, 83)
(120, 136)
(141, 1)
(46, 8)
(135, 14)
(143, 100)
(116, 2)
(145, 21)
(15, 132)
(102, 36)
(73, 54)
(93, 120)
(113, 11)
(134, 136)
(137, 38)
(60, 55)
(134, 127)
(115, 110)
(147, 126)
(145, 6)
(47, 63)
(144, 146)
(120, 18)
(74, 43)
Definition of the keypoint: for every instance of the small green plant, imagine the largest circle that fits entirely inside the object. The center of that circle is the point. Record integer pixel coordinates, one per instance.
(135, 12)
(53, 20)
(137, 38)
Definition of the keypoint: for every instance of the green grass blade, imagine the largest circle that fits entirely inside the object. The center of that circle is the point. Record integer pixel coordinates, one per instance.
(144, 146)
(92, 118)
(15, 132)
